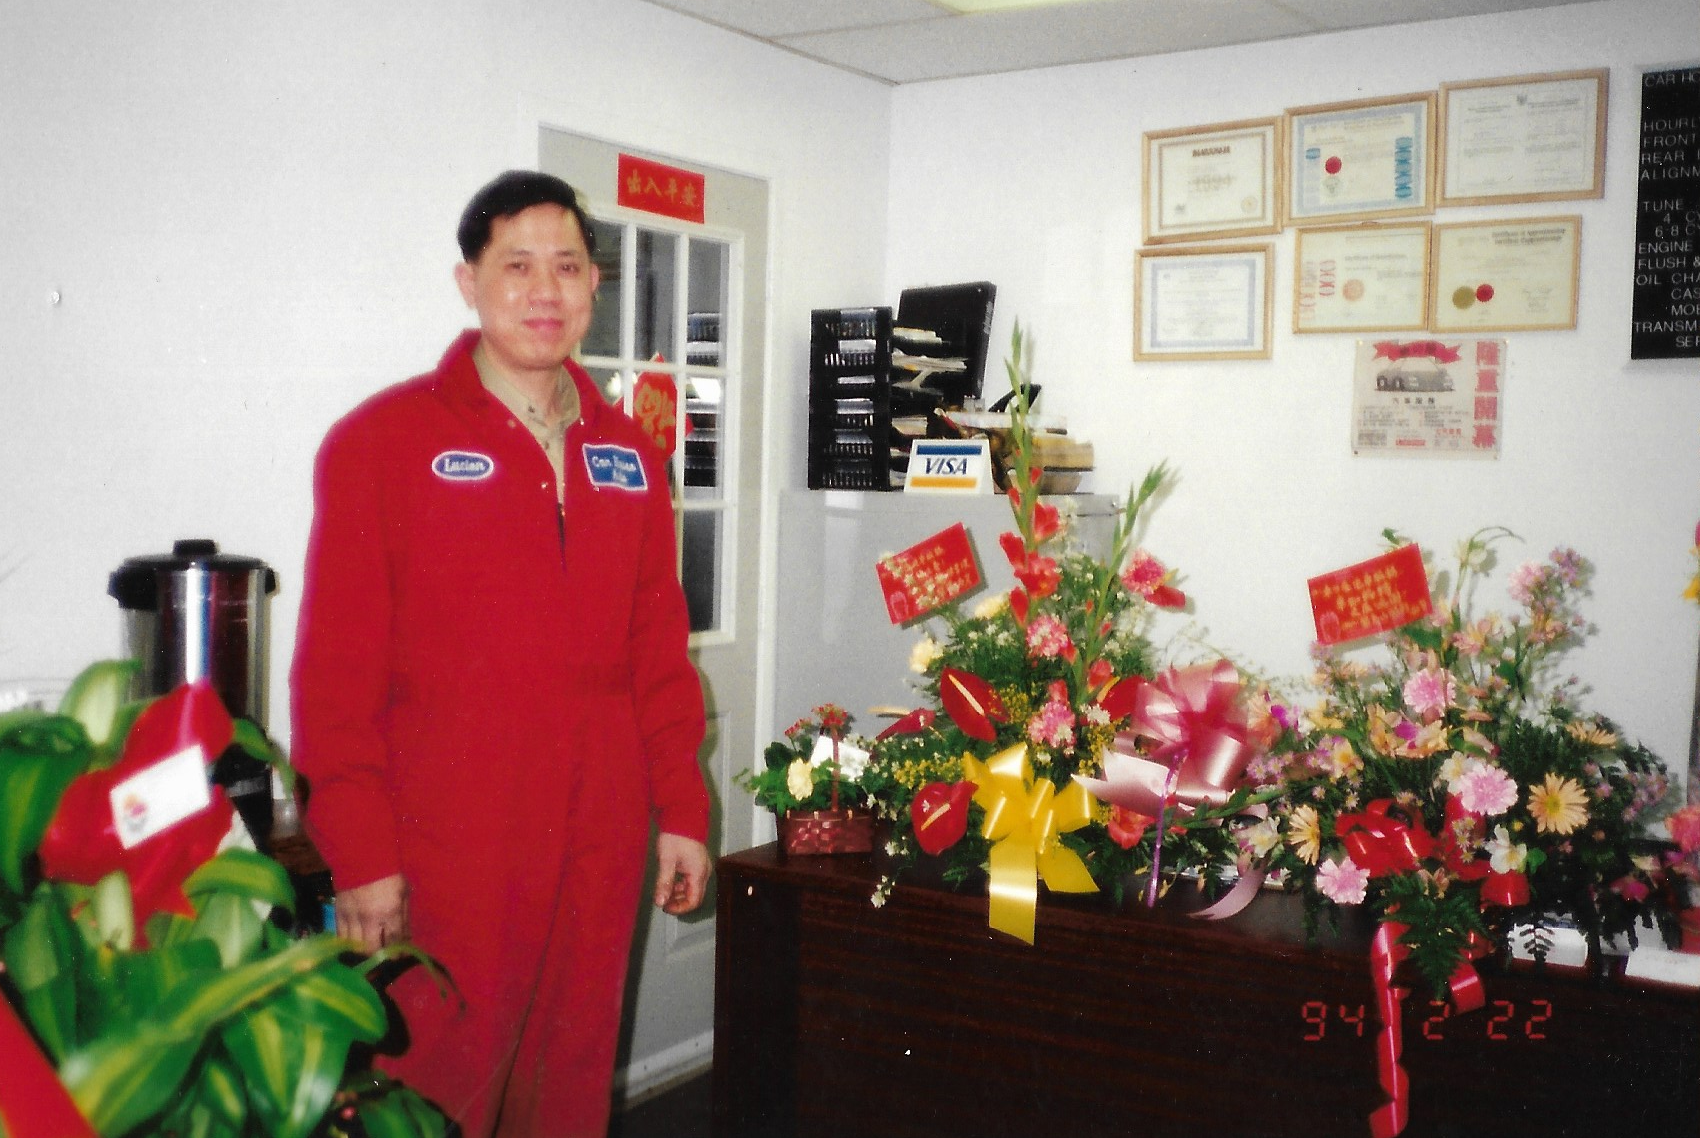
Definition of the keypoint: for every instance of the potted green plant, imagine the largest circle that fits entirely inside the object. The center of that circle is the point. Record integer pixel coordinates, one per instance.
(138, 947)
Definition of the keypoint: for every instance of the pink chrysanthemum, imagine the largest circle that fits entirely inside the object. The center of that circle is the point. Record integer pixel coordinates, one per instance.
(1047, 637)
(1487, 790)
(1053, 726)
(1342, 882)
(1430, 692)
(1144, 574)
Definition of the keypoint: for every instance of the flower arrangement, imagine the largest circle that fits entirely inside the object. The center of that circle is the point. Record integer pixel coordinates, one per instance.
(1453, 786)
(805, 771)
(812, 780)
(1026, 691)
(138, 949)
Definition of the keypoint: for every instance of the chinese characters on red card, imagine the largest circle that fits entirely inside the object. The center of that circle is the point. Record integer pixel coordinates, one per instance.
(658, 188)
(1427, 398)
(931, 573)
(1373, 596)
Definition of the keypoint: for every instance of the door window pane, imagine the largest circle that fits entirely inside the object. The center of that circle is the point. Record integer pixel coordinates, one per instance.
(611, 381)
(703, 405)
(603, 339)
(657, 287)
(700, 567)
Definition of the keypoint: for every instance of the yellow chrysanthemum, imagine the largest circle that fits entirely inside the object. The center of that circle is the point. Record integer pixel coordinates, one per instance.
(1304, 834)
(1558, 805)
(1323, 719)
(1343, 761)
(1589, 731)
(922, 654)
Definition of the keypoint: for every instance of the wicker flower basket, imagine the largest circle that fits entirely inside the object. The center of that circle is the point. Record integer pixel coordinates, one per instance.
(808, 832)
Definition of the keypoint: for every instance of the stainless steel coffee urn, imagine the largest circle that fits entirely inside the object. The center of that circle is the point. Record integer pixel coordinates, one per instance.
(193, 614)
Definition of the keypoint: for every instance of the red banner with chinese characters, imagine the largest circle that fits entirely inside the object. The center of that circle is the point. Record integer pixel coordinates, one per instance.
(929, 574)
(655, 406)
(1409, 349)
(1372, 596)
(658, 188)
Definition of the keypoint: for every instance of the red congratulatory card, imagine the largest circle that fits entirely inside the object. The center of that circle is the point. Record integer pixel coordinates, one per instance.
(1373, 596)
(925, 576)
(658, 188)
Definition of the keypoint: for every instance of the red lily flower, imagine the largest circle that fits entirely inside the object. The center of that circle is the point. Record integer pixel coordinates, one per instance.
(1018, 604)
(1039, 575)
(1047, 521)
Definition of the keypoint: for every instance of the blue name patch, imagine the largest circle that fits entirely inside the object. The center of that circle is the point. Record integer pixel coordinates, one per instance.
(462, 466)
(616, 466)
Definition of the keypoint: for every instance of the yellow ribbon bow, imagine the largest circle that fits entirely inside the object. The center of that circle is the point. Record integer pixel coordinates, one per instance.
(1024, 818)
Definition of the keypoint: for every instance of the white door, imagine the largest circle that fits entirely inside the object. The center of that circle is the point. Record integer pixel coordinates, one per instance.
(682, 310)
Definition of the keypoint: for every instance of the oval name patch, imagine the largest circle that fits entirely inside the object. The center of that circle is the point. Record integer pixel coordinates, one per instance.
(462, 466)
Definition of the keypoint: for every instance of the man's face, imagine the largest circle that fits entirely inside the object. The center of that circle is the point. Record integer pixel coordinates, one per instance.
(532, 287)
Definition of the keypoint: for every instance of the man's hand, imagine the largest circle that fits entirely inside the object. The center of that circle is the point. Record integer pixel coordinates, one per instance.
(374, 914)
(683, 875)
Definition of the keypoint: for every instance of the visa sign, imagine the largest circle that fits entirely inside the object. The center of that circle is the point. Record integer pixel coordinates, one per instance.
(961, 466)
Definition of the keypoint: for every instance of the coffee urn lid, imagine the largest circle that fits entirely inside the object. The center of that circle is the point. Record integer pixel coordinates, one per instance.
(135, 584)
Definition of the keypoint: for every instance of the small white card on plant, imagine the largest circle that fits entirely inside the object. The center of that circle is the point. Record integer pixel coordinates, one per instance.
(851, 760)
(158, 797)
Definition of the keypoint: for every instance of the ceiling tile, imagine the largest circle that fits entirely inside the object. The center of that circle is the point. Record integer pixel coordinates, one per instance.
(1333, 15)
(905, 41)
(1016, 40)
(766, 19)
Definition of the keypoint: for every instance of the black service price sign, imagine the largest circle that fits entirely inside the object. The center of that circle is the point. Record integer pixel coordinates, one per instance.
(1666, 320)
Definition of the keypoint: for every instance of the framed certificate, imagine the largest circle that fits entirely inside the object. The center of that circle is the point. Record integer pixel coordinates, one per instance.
(1428, 398)
(1201, 303)
(1213, 181)
(1523, 138)
(1353, 278)
(1369, 158)
(1509, 276)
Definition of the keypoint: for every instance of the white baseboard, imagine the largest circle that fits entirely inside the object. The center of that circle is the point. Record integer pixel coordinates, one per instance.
(644, 1077)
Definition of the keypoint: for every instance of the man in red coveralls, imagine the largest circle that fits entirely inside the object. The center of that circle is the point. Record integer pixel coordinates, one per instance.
(493, 705)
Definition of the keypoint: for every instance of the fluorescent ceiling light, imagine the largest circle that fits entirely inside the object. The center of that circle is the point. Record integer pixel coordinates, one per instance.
(970, 7)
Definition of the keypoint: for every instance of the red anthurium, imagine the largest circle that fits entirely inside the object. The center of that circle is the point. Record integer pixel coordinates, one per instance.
(940, 813)
(912, 724)
(971, 704)
(82, 844)
(1047, 521)
(1119, 700)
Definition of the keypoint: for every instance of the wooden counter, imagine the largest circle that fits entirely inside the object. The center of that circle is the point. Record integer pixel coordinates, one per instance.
(836, 1018)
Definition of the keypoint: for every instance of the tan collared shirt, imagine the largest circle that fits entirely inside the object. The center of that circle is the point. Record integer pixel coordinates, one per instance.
(548, 425)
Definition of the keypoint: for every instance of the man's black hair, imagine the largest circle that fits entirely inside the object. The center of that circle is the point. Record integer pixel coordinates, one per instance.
(511, 193)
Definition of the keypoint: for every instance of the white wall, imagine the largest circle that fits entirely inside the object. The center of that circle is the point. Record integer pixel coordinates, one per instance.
(248, 212)
(1032, 181)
